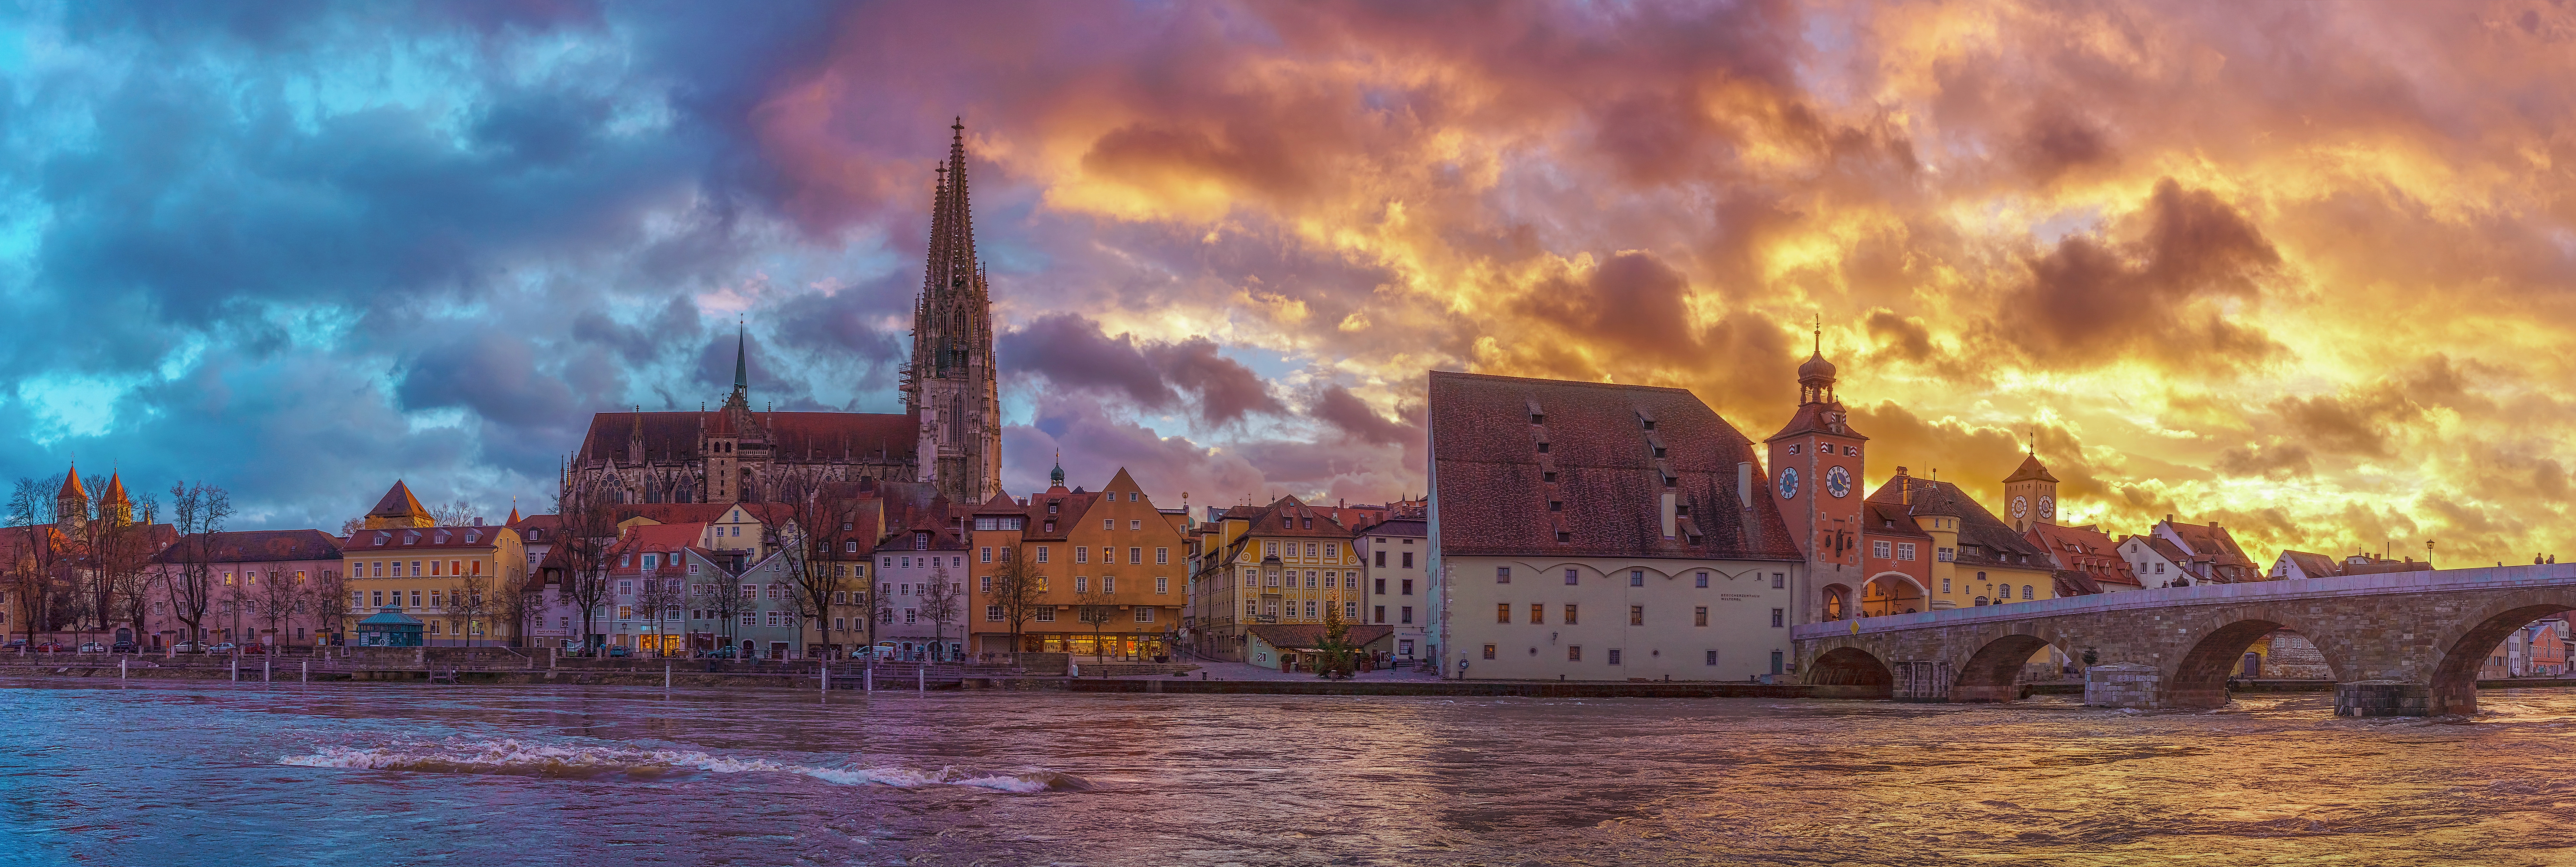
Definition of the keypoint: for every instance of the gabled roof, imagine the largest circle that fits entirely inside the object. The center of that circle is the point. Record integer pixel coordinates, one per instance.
(1406, 525)
(1983, 538)
(255, 546)
(2094, 552)
(2211, 542)
(1889, 519)
(2311, 565)
(2071, 582)
(1603, 440)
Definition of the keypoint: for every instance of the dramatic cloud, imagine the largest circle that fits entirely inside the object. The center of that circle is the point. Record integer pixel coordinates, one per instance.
(2298, 268)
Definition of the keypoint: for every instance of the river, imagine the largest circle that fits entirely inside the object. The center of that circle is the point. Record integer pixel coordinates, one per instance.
(405, 774)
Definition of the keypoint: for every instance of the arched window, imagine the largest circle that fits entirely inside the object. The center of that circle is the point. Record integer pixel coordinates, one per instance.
(1981, 600)
(2026, 592)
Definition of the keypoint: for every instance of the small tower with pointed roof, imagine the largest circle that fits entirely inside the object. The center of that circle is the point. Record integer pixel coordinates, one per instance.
(398, 508)
(71, 504)
(2030, 493)
(113, 506)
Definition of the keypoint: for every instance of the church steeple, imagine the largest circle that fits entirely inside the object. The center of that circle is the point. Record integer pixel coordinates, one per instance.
(950, 386)
(741, 371)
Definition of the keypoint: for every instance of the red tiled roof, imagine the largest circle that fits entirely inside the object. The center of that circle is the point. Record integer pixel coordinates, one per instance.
(1889, 519)
(364, 542)
(1492, 497)
(2030, 469)
(257, 546)
(2094, 553)
(72, 486)
(1983, 538)
(792, 436)
(2312, 565)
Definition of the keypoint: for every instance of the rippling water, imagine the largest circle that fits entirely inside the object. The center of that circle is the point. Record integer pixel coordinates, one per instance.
(382, 773)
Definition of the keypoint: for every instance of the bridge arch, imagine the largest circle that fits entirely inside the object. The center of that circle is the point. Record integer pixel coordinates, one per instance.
(1993, 672)
(1850, 672)
(2454, 683)
(2199, 678)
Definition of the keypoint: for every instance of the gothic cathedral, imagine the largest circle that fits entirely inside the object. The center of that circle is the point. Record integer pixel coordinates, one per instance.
(949, 434)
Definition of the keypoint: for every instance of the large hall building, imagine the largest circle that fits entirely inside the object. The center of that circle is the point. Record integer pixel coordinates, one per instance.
(949, 434)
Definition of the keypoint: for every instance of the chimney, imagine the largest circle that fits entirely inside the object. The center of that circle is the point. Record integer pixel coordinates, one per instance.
(1744, 484)
(2168, 517)
(478, 522)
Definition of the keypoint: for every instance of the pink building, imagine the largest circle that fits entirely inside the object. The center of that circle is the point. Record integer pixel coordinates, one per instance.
(272, 587)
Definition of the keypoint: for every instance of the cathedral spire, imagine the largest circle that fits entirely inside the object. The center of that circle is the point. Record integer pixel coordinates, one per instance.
(741, 372)
(951, 384)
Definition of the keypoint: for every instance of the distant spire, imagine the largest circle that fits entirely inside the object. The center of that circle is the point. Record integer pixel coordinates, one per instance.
(1058, 476)
(741, 372)
(1820, 335)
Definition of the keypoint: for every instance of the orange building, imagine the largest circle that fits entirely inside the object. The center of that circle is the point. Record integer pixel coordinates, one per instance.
(1113, 568)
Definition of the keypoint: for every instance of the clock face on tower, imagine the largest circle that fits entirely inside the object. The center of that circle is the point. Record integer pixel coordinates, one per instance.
(1837, 481)
(2048, 507)
(2021, 507)
(1788, 483)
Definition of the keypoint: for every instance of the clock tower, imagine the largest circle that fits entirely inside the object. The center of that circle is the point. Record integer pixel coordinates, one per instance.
(1815, 469)
(2030, 495)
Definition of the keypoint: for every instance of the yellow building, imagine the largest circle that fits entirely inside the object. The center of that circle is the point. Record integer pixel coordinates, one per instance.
(452, 578)
(1114, 571)
(1286, 563)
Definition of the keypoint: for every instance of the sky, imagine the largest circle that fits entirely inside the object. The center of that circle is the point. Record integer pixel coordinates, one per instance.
(2303, 270)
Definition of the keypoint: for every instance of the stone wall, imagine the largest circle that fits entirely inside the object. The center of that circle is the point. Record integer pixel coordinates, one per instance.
(2122, 685)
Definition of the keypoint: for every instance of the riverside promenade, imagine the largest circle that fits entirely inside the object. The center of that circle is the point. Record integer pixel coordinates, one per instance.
(504, 667)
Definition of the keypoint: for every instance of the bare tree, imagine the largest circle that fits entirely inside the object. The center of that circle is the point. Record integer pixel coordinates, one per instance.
(520, 598)
(1094, 604)
(810, 531)
(456, 514)
(328, 598)
(1017, 587)
(121, 557)
(659, 597)
(470, 598)
(588, 524)
(351, 527)
(36, 551)
(197, 513)
(723, 600)
(941, 600)
(275, 600)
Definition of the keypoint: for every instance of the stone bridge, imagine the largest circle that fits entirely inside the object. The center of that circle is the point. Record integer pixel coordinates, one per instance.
(2400, 644)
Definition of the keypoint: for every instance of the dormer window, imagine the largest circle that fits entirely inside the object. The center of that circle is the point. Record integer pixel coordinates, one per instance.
(1548, 476)
(471, 536)
(1650, 424)
(1542, 447)
(1538, 418)
(1556, 505)
(382, 538)
(921, 541)
(1659, 451)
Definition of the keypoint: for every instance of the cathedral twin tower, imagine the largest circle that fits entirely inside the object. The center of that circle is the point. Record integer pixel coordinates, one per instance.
(949, 434)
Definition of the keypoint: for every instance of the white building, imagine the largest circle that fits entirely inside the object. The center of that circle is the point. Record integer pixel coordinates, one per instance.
(1394, 557)
(1588, 531)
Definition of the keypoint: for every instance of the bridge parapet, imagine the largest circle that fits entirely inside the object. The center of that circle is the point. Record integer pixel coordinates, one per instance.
(2417, 636)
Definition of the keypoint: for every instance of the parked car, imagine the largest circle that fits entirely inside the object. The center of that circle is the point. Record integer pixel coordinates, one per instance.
(255, 648)
(125, 647)
(50, 647)
(187, 647)
(93, 647)
(223, 647)
(15, 645)
(718, 653)
(617, 651)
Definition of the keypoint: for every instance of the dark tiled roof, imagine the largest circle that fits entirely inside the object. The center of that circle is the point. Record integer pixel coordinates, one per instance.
(397, 502)
(1492, 497)
(2312, 565)
(1825, 418)
(1415, 527)
(1983, 538)
(2094, 554)
(1303, 636)
(2211, 543)
(1887, 519)
(793, 436)
(2030, 469)
(258, 546)
(363, 542)
(2074, 583)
